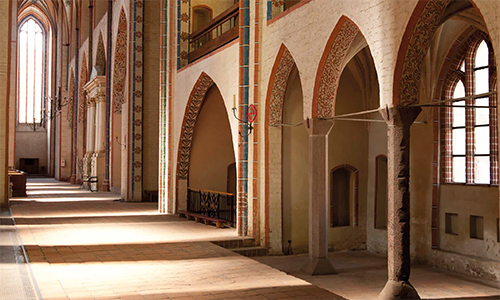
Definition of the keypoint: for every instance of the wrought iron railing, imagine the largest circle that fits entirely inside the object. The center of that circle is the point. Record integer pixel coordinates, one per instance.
(218, 32)
(212, 204)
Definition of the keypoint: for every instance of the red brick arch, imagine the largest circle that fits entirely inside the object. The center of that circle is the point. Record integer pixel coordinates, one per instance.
(330, 68)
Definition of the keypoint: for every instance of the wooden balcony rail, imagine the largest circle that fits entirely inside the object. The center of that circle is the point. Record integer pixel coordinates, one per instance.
(218, 32)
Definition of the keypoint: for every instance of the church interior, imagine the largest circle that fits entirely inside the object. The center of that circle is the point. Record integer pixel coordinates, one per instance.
(249, 149)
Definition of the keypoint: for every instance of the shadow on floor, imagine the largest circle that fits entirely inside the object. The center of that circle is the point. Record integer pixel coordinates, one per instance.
(124, 252)
(111, 219)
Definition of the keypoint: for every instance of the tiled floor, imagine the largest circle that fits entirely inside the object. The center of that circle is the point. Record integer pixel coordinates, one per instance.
(87, 246)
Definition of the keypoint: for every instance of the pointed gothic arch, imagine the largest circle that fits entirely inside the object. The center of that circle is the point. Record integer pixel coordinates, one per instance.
(423, 23)
(193, 108)
(330, 68)
(82, 103)
(120, 64)
(275, 100)
(100, 61)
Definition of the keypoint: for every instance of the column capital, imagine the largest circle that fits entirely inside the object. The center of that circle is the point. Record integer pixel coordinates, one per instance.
(91, 101)
(400, 115)
(318, 126)
(100, 97)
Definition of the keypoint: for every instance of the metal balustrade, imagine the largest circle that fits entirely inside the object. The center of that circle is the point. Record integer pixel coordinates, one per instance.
(212, 204)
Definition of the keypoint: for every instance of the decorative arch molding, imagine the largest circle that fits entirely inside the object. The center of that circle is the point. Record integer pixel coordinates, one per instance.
(71, 96)
(100, 60)
(43, 17)
(82, 103)
(193, 107)
(120, 67)
(416, 40)
(330, 67)
(280, 74)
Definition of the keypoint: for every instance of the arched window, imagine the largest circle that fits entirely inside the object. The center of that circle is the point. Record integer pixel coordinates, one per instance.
(470, 124)
(344, 196)
(31, 72)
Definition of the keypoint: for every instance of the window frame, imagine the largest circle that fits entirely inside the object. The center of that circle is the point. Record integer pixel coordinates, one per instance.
(468, 78)
(43, 74)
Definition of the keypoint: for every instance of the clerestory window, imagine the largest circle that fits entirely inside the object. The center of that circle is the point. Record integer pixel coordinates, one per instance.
(31, 72)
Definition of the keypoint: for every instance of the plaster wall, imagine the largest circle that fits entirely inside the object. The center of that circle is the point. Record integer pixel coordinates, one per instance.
(32, 144)
(222, 67)
(217, 6)
(295, 197)
(376, 238)
(466, 201)
(212, 146)
(348, 144)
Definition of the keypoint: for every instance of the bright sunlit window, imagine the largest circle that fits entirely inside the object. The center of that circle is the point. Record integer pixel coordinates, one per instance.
(31, 70)
(470, 147)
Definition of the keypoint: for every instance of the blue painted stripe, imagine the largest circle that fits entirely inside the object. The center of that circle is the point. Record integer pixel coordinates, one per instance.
(269, 10)
(108, 87)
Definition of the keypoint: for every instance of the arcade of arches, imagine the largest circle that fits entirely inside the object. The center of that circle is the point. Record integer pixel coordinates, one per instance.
(312, 129)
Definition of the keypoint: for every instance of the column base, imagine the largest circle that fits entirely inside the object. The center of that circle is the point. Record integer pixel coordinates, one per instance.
(72, 179)
(319, 266)
(105, 186)
(398, 290)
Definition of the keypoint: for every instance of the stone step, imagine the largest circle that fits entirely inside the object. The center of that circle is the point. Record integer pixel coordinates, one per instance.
(251, 251)
(237, 243)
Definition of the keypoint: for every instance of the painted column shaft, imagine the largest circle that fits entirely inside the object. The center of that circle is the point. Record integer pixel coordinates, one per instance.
(91, 127)
(399, 121)
(318, 264)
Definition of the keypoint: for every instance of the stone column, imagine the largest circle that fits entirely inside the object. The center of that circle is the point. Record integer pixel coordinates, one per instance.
(91, 125)
(399, 121)
(100, 142)
(96, 88)
(319, 263)
(100, 120)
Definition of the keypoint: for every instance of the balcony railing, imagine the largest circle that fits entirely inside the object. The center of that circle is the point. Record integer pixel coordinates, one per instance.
(212, 204)
(220, 31)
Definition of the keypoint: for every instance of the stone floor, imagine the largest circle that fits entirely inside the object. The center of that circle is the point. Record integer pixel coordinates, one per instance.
(362, 275)
(87, 246)
(84, 245)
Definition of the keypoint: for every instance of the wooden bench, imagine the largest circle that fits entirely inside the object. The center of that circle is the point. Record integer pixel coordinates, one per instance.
(198, 217)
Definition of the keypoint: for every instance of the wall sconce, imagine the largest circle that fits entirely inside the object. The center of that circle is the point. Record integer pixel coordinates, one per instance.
(251, 115)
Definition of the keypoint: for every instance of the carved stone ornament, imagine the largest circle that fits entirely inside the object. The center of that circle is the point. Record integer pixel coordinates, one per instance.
(278, 88)
(330, 75)
(417, 48)
(192, 110)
